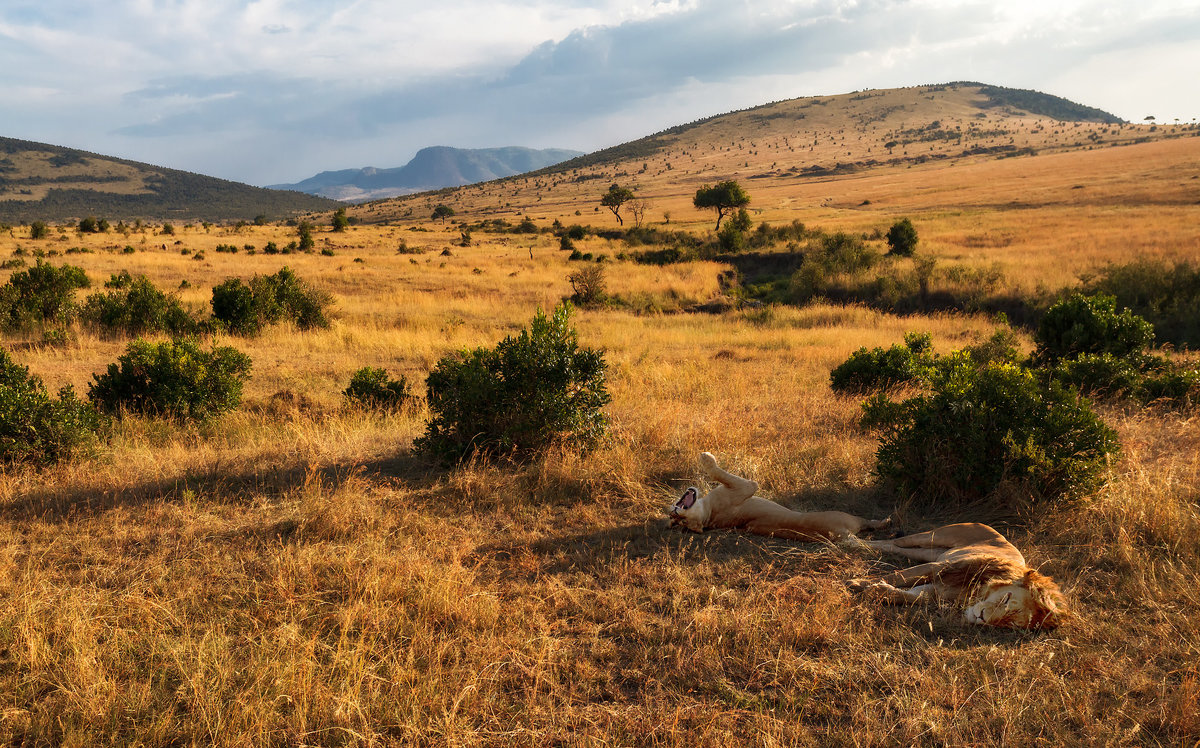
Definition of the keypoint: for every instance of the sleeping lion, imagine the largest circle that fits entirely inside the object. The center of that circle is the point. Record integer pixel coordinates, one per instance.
(974, 566)
(733, 505)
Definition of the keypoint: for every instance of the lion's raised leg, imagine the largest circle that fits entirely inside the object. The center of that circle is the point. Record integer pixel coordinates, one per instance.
(740, 488)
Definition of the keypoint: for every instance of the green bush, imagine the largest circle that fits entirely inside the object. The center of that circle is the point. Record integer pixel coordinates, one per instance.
(1146, 379)
(1090, 324)
(35, 427)
(995, 434)
(731, 239)
(245, 308)
(902, 238)
(1099, 351)
(39, 230)
(526, 393)
(135, 306)
(43, 294)
(880, 369)
(373, 388)
(1166, 296)
(176, 379)
(1173, 385)
(1099, 374)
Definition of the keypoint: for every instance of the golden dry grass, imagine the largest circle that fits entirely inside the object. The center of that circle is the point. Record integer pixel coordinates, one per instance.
(291, 574)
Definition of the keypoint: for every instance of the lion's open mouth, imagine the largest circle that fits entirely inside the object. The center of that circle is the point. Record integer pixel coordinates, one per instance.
(685, 502)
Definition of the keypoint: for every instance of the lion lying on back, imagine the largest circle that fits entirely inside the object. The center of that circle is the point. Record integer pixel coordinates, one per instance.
(974, 566)
(969, 564)
(733, 505)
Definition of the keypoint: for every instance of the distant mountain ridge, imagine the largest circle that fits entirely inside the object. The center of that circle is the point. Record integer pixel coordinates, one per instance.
(42, 182)
(432, 168)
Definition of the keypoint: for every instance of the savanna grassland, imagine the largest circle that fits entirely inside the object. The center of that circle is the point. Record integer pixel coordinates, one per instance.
(293, 573)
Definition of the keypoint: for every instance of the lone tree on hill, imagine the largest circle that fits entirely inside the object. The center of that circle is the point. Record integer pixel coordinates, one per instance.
(442, 212)
(615, 198)
(724, 197)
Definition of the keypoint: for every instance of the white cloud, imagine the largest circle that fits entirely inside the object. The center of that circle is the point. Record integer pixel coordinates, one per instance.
(274, 90)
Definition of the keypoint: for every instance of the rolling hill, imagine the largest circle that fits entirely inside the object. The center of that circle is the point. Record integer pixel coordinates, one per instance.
(52, 183)
(432, 168)
(784, 150)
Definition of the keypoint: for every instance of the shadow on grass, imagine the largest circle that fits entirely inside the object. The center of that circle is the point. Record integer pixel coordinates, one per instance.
(216, 484)
(595, 551)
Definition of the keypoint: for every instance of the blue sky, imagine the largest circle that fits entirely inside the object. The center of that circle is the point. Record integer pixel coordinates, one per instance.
(272, 91)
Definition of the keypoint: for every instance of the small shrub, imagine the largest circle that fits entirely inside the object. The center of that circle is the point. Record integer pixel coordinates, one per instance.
(35, 427)
(731, 239)
(304, 230)
(41, 295)
(135, 306)
(845, 253)
(1146, 379)
(175, 379)
(373, 388)
(1176, 386)
(245, 308)
(39, 230)
(526, 393)
(589, 286)
(339, 222)
(995, 434)
(880, 369)
(1090, 324)
(1099, 374)
(902, 238)
(56, 337)
(1000, 348)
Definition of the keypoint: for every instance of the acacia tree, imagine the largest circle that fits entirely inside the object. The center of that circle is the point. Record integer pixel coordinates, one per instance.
(724, 197)
(615, 198)
(442, 212)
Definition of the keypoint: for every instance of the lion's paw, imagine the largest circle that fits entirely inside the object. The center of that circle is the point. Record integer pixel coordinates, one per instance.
(708, 462)
(858, 585)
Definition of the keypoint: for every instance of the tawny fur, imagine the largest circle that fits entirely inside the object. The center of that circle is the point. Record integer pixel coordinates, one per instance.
(733, 505)
(973, 566)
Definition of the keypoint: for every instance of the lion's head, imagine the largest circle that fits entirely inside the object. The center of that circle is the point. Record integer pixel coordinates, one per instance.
(691, 510)
(1030, 602)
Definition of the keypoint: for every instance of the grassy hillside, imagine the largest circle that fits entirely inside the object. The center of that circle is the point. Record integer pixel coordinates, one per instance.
(40, 182)
(294, 573)
(784, 149)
